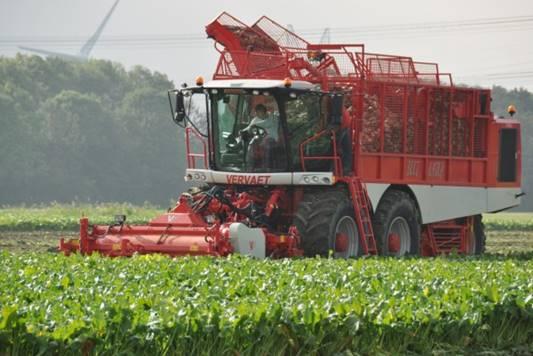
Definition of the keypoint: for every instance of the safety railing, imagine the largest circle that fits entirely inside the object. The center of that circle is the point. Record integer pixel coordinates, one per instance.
(337, 164)
(192, 134)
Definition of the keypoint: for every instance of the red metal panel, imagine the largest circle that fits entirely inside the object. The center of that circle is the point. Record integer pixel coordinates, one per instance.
(437, 170)
(414, 169)
(392, 168)
(479, 172)
(369, 167)
(459, 171)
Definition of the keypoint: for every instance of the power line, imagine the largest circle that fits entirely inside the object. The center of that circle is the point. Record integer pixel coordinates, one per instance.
(375, 31)
(501, 75)
(443, 25)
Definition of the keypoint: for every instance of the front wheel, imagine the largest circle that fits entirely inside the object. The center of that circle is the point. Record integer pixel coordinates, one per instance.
(396, 225)
(325, 221)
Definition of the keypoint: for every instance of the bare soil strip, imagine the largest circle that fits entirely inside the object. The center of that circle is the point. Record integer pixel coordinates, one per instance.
(47, 241)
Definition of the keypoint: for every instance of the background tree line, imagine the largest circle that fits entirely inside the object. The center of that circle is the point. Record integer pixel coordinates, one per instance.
(86, 131)
(96, 132)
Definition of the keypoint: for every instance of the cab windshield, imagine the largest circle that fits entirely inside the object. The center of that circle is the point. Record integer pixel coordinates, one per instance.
(248, 135)
(261, 131)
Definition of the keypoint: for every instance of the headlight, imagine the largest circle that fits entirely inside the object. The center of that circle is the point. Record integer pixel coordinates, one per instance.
(317, 179)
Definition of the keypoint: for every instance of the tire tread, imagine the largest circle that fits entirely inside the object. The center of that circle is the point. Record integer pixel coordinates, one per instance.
(314, 217)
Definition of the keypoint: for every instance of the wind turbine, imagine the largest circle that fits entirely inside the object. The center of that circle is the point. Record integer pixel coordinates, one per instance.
(324, 39)
(326, 36)
(83, 54)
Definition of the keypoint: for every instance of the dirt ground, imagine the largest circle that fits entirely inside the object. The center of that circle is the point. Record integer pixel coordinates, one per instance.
(509, 241)
(47, 241)
(39, 241)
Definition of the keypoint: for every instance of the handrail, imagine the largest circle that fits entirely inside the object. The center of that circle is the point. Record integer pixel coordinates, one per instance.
(192, 156)
(335, 157)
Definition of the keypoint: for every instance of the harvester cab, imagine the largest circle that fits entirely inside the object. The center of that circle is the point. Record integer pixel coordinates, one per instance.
(258, 126)
(318, 149)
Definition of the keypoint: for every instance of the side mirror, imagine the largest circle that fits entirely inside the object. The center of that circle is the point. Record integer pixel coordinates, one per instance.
(337, 101)
(179, 115)
(177, 106)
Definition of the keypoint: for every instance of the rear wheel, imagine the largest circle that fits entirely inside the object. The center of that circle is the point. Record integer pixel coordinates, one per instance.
(396, 225)
(325, 221)
(476, 239)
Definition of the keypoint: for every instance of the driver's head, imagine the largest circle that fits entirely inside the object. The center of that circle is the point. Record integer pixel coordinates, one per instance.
(260, 111)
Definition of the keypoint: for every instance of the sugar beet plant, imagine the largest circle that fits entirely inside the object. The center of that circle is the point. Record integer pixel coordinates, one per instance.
(153, 304)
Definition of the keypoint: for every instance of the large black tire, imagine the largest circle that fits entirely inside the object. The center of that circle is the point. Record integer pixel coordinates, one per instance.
(397, 214)
(479, 239)
(320, 214)
(475, 245)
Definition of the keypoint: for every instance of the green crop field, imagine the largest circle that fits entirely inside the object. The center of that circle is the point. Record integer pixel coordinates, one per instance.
(509, 221)
(65, 217)
(154, 304)
(51, 304)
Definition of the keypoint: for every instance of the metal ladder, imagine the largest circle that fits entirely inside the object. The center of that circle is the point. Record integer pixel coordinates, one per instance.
(362, 206)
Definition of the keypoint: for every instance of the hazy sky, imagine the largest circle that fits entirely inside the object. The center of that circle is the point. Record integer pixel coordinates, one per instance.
(169, 36)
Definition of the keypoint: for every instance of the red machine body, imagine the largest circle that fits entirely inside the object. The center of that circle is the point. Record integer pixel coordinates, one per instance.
(412, 160)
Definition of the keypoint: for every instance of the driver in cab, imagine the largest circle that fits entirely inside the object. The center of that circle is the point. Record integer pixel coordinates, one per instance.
(263, 143)
(267, 122)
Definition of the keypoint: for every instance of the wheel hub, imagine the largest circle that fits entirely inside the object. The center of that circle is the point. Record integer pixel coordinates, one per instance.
(394, 242)
(399, 237)
(341, 242)
(346, 242)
